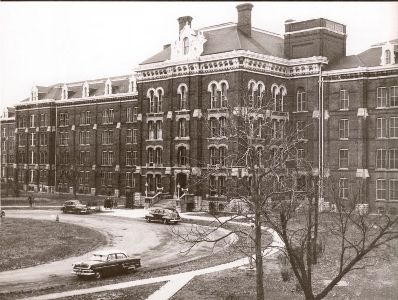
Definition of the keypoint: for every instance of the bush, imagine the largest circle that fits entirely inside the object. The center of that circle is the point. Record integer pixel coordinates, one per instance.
(284, 267)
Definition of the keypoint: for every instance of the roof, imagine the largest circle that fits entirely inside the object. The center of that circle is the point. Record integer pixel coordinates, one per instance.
(229, 38)
(368, 58)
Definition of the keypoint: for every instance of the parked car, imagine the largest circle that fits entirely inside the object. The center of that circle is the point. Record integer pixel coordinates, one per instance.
(164, 215)
(107, 262)
(75, 207)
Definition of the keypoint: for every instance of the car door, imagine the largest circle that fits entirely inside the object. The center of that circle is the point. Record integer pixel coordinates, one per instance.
(157, 214)
(112, 265)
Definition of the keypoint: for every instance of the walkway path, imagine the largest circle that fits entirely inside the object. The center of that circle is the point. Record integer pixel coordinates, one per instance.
(174, 282)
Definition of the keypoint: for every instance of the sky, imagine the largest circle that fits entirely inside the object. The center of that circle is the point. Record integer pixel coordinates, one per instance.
(43, 43)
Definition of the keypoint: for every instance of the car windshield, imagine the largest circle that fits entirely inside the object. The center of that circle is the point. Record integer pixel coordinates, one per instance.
(99, 257)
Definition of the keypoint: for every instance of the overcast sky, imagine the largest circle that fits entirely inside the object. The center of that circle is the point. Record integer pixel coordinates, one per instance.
(44, 43)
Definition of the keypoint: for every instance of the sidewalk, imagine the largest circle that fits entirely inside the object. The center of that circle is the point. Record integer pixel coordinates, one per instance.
(174, 282)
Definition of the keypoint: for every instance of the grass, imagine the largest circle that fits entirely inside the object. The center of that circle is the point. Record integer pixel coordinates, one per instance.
(27, 242)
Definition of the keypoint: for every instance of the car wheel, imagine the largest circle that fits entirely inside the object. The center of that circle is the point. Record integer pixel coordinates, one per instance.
(148, 220)
(98, 275)
(165, 221)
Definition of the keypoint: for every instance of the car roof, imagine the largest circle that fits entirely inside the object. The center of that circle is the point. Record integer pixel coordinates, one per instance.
(105, 252)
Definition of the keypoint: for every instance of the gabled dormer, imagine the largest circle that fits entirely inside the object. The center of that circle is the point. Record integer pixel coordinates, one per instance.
(34, 94)
(108, 87)
(387, 54)
(189, 44)
(85, 90)
(64, 93)
(133, 84)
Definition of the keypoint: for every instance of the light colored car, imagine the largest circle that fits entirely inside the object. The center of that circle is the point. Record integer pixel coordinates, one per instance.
(107, 262)
(164, 215)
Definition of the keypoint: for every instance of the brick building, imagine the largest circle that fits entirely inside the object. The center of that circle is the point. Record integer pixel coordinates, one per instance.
(148, 133)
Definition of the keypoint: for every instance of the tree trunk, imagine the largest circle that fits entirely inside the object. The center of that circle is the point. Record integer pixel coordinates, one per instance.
(259, 255)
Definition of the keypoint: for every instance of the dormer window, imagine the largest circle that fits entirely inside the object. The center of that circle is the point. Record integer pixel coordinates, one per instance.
(34, 95)
(86, 90)
(64, 95)
(186, 45)
(108, 87)
(388, 57)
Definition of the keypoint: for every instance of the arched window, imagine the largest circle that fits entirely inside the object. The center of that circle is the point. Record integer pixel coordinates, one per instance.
(151, 134)
(213, 127)
(259, 128)
(222, 152)
(223, 122)
(160, 101)
(388, 57)
(221, 186)
(274, 96)
(251, 94)
(158, 181)
(213, 96)
(301, 99)
(213, 156)
(158, 132)
(64, 94)
(182, 130)
(186, 45)
(260, 94)
(151, 101)
(108, 87)
(151, 156)
(182, 156)
(224, 99)
(158, 156)
(182, 104)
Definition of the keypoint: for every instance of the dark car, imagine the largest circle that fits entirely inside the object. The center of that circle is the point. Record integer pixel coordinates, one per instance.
(164, 215)
(75, 207)
(106, 262)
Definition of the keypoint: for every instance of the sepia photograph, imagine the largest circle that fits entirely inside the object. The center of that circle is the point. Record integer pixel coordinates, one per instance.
(198, 150)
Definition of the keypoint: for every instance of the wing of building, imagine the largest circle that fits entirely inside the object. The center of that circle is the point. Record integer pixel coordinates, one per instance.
(146, 136)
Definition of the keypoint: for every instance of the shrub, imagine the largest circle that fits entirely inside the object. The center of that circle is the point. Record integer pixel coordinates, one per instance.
(284, 267)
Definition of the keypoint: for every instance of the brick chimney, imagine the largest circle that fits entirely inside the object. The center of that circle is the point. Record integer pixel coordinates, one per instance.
(183, 20)
(245, 18)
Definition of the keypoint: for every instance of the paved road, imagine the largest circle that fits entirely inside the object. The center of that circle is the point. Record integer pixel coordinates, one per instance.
(154, 242)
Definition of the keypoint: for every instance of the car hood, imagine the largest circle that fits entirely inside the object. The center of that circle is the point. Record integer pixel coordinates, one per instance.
(87, 263)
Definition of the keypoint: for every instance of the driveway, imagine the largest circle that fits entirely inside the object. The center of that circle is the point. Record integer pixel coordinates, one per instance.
(154, 242)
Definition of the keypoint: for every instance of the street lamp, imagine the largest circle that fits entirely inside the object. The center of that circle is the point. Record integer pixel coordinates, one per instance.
(146, 189)
(178, 191)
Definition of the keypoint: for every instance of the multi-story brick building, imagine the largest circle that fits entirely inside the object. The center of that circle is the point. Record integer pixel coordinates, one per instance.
(7, 151)
(152, 131)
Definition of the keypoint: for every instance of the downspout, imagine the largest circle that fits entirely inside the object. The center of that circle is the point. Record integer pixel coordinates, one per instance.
(55, 148)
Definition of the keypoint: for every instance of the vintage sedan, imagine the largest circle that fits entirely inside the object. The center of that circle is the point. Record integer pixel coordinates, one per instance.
(164, 215)
(75, 207)
(107, 262)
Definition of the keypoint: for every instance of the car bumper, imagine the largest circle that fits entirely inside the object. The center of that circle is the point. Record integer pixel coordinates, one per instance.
(83, 272)
(174, 220)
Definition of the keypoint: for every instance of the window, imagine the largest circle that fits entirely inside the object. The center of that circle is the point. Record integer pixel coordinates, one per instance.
(135, 136)
(151, 156)
(394, 127)
(185, 42)
(84, 137)
(129, 136)
(300, 125)
(182, 130)
(343, 158)
(4, 132)
(158, 130)
(129, 158)
(135, 114)
(182, 103)
(277, 99)
(107, 137)
(251, 95)
(158, 156)
(393, 156)
(344, 99)
(32, 139)
(301, 100)
(159, 101)
(381, 159)
(85, 118)
(107, 116)
(223, 95)
(222, 152)
(151, 128)
(106, 178)
(213, 156)
(43, 120)
(63, 138)
(63, 119)
(381, 189)
(213, 96)
(388, 57)
(135, 158)
(213, 127)
(43, 139)
(129, 115)
(107, 158)
(84, 157)
(181, 156)
(221, 185)
(393, 189)
(32, 120)
(222, 124)
(130, 182)
(212, 185)
(343, 188)
(300, 157)
(394, 96)
(343, 129)
(382, 97)
(32, 157)
(158, 181)
(381, 124)
(21, 139)
(84, 177)
(31, 176)
(260, 94)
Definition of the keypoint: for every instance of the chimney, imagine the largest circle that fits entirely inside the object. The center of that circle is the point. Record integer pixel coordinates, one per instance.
(166, 46)
(183, 20)
(245, 18)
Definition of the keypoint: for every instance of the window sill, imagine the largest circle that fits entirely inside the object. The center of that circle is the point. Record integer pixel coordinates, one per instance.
(301, 111)
(154, 140)
(343, 169)
(343, 139)
(182, 138)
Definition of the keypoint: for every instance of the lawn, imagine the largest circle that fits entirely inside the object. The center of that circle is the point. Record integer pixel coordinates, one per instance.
(25, 242)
